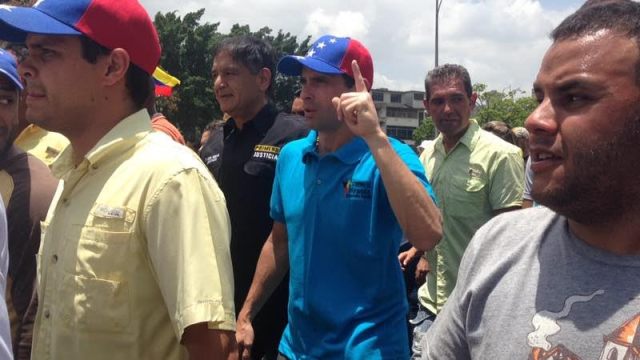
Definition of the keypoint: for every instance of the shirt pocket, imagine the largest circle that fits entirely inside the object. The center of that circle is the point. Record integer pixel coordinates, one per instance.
(466, 197)
(99, 253)
(363, 247)
(94, 304)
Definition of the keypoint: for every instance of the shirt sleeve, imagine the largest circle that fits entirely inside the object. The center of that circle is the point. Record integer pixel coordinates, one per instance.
(410, 158)
(5, 334)
(528, 181)
(507, 185)
(188, 235)
(276, 204)
(447, 337)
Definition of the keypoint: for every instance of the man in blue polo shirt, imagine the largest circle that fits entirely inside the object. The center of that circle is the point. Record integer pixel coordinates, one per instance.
(342, 199)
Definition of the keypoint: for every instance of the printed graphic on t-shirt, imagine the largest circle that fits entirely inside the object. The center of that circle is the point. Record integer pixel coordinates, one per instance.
(623, 343)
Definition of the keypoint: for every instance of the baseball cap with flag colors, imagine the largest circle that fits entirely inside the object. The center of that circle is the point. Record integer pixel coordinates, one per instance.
(331, 55)
(111, 23)
(8, 68)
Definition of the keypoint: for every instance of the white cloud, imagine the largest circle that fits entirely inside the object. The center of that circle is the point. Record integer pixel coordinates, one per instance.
(382, 81)
(501, 42)
(342, 23)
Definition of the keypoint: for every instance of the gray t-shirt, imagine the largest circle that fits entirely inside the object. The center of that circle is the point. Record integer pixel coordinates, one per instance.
(528, 180)
(530, 289)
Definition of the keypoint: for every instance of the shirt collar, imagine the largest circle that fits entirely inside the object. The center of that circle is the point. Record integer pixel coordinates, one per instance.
(27, 132)
(469, 139)
(262, 122)
(349, 153)
(122, 136)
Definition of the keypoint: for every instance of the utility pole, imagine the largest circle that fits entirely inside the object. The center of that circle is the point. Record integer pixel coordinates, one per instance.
(438, 4)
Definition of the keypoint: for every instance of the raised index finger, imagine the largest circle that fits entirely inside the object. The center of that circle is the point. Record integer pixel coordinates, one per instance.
(361, 86)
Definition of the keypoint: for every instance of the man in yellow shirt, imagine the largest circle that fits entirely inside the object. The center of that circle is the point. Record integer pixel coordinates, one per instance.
(44, 145)
(135, 258)
(475, 175)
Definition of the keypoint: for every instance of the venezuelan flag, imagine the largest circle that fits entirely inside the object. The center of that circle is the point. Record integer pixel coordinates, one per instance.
(164, 82)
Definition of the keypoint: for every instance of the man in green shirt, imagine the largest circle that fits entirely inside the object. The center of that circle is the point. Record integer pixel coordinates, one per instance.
(475, 175)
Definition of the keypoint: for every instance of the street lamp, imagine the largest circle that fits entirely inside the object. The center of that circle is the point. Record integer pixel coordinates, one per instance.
(438, 3)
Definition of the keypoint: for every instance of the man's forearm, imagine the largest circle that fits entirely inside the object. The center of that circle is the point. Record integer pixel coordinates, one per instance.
(203, 343)
(270, 270)
(417, 214)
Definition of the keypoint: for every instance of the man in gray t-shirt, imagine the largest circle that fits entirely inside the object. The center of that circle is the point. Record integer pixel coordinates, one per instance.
(564, 282)
(547, 292)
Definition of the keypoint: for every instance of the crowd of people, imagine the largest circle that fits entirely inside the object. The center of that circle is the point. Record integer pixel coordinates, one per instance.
(309, 233)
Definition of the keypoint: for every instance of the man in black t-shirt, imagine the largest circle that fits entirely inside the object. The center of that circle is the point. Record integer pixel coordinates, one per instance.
(242, 155)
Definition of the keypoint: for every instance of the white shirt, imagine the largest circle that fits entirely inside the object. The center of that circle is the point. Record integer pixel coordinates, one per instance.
(5, 332)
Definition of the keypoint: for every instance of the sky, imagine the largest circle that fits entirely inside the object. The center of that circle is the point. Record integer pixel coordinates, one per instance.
(500, 42)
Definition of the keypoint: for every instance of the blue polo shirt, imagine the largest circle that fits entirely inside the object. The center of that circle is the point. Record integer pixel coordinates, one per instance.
(347, 296)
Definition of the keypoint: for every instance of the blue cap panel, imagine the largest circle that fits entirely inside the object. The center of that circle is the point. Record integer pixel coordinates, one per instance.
(324, 56)
(9, 68)
(16, 22)
(66, 11)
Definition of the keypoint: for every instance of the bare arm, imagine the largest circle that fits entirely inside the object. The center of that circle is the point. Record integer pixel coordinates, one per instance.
(406, 257)
(203, 343)
(270, 270)
(417, 215)
(422, 268)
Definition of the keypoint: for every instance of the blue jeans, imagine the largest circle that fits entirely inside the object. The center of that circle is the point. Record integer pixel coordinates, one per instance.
(422, 322)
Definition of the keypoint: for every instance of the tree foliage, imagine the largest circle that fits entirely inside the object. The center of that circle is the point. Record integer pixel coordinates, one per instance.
(18, 2)
(510, 106)
(187, 53)
(425, 131)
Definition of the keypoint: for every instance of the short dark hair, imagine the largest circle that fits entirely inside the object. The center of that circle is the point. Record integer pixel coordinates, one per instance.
(446, 72)
(137, 80)
(619, 16)
(349, 82)
(252, 52)
(501, 130)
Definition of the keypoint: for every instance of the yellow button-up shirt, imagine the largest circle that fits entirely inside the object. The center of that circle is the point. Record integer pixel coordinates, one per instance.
(44, 145)
(135, 249)
(482, 173)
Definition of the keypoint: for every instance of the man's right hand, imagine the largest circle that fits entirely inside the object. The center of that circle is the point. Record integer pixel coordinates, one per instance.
(244, 336)
(422, 268)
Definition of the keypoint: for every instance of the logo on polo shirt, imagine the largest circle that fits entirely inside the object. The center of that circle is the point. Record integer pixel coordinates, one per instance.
(211, 159)
(266, 152)
(475, 171)
(356, 189)
(109, 212)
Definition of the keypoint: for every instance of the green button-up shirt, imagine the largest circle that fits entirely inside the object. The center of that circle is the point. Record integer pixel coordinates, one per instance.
(481, 174)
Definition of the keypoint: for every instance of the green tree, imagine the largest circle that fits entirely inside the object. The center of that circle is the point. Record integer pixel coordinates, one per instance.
(18, 2)
(511, 106)
(187, 53)
(425, 131)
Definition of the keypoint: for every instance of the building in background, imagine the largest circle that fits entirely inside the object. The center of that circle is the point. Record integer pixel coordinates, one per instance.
(400, 112)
